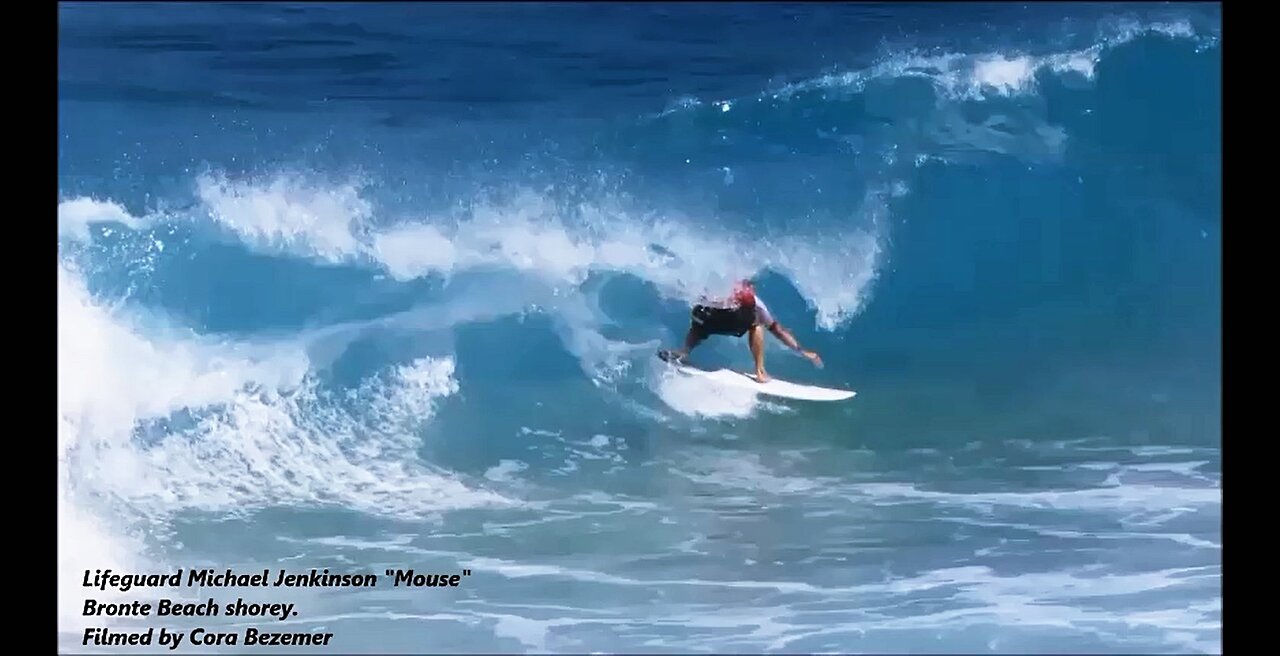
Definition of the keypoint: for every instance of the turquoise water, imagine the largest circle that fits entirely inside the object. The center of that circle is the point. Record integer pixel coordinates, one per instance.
(379, 286)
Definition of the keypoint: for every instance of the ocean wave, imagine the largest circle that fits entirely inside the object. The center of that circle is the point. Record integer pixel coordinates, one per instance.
(558, 243)
(154, 420)
(961, 76)
(460, 337)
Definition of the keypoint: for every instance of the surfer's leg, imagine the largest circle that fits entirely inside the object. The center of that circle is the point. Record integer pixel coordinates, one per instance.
(757, 352)
(691, 339)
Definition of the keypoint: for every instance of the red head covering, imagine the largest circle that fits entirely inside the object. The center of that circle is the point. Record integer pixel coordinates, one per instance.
(744, 293)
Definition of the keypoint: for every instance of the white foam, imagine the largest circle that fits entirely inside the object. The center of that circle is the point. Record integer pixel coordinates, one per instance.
(525, 430)
(959, 598)
(288, 213)
(248, 428)
(578, 323)
(835, 273)
(77, 214)
(1007, 75)
(406, 398)
(505, 470)
(86, 543)
(698, 397)
(260, 431)
(266, 447)
(108, 379)
(1121, 30)
(413, 250)
(557, 245)
(1142, 498)
(110, 376)
(966, 76)
(1082, 63)
(747, 472)
(530, 633)
(516, 570)
(681, 103)
(1043, 600)
(1181, 538)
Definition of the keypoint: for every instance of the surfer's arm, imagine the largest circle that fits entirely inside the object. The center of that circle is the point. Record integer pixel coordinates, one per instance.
(780, 331)
(787, 338)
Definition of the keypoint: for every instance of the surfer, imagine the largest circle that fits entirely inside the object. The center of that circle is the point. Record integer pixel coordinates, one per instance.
(743, 312)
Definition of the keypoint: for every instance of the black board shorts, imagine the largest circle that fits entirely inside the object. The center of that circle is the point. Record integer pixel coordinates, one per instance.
(721, 321)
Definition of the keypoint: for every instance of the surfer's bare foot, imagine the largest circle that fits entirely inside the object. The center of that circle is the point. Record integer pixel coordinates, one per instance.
(761, 376)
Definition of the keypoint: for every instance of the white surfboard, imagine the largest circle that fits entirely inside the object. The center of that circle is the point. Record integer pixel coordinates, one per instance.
(774, 387)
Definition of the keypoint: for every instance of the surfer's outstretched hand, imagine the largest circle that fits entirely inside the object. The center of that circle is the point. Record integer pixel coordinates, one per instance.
(814, 358)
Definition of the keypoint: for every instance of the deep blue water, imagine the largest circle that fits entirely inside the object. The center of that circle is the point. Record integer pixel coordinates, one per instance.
(367, 286)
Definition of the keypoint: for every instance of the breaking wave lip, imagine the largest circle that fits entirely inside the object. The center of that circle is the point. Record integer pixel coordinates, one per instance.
(975, 77)
(558, 245)
(77, 214)
(968, 76)
(288, 213)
